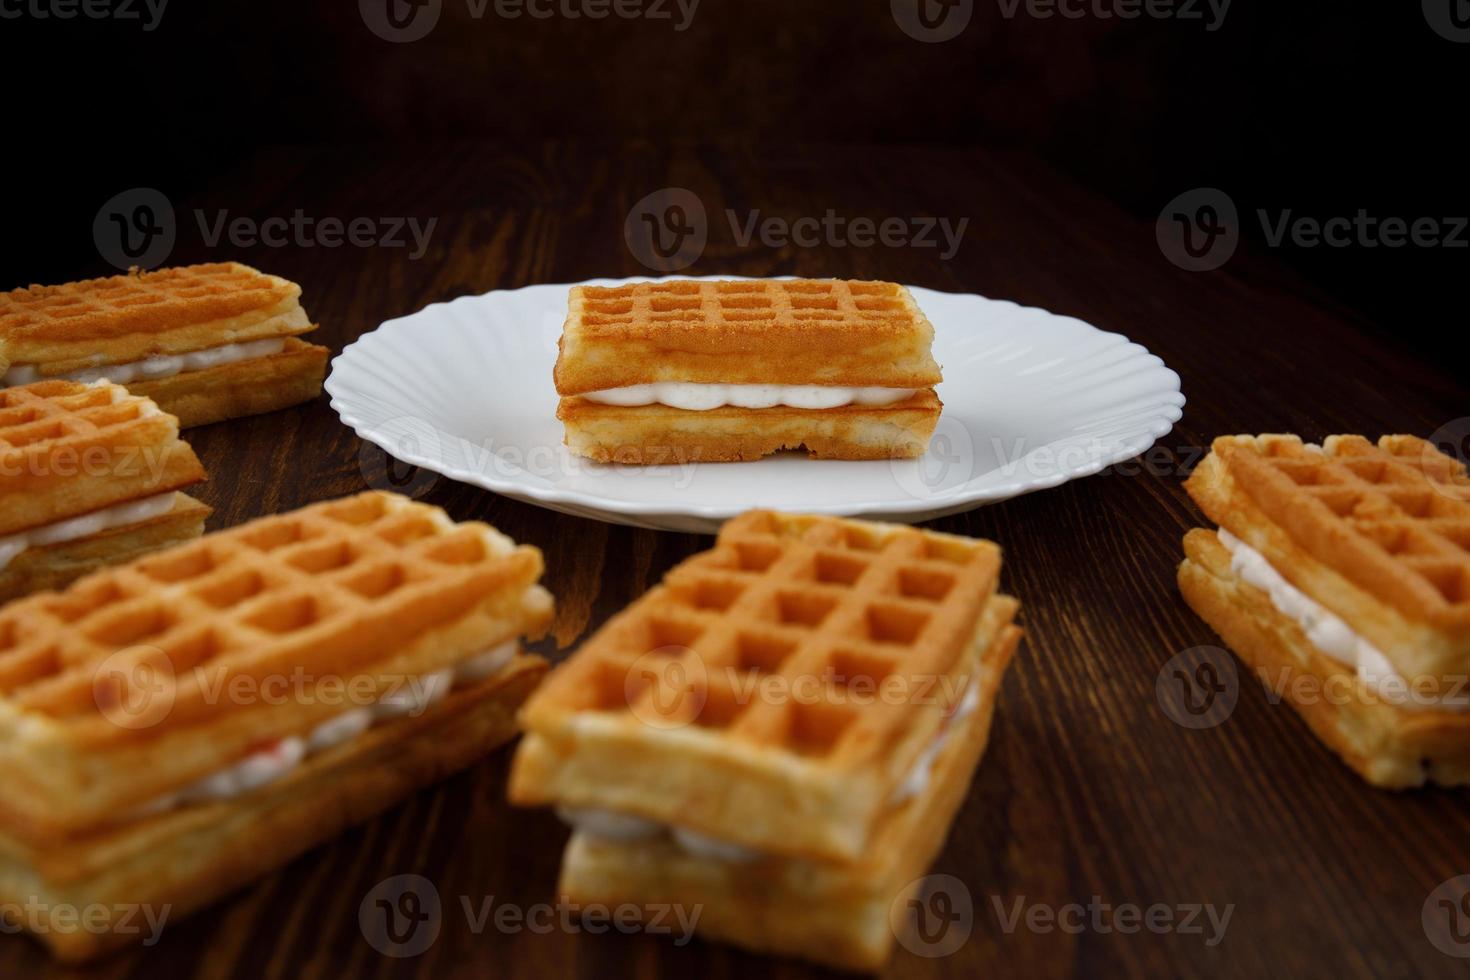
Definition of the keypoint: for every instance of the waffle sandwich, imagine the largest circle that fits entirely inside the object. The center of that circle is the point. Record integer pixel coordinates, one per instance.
(778, 735)
(206, 342)
(89, 476)
(689, 371)
(175, 727)
(1341, 575)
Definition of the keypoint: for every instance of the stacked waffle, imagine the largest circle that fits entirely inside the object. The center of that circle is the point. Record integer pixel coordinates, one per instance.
(206, 342)
(692, 371)
(89, 476)
(1341, 573)
(175, 727)
(779, 734)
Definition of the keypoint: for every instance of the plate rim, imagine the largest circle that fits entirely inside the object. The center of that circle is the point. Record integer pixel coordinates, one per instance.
(1152, 428)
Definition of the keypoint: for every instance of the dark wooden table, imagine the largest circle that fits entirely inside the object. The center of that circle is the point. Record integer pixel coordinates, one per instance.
(1089, 793)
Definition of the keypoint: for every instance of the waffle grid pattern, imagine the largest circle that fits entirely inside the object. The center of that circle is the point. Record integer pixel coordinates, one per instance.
(746, 305)
(847, 604)
(49, 416)
(197, 293)
(333, 585)
(1409, 500)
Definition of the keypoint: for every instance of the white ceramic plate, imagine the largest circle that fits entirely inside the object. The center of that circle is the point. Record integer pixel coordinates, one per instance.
(1031, 400)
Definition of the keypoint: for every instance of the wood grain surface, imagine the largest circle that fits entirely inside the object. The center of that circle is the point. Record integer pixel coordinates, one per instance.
(1089, 792)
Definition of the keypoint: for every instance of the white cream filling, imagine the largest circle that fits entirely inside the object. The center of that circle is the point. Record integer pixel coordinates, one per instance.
(1329, 634)
(624, 828)
(703, 397)
(152, 368)
(85, 526)
(917, 779)
(270, 764)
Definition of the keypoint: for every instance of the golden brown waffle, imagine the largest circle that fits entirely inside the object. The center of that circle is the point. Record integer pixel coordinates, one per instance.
(233, 391)
(773, 691)
(68, 449)
(126, 318)
(796, 331)
(110, 691)
(831, 912)
(181, 860)
(654, 435)
(1393, 737)
(1380, 535)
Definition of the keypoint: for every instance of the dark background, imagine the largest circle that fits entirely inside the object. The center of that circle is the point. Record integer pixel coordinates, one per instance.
(1321, 108)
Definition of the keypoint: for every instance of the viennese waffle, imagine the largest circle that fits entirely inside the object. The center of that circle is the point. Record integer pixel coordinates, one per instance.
(88, 475)
(206, 342)
(780, 733)
(1341, 573)
(150, 755)
(691, 371)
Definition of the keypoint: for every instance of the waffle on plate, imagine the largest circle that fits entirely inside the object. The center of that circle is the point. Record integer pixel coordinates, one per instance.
(690, 371)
